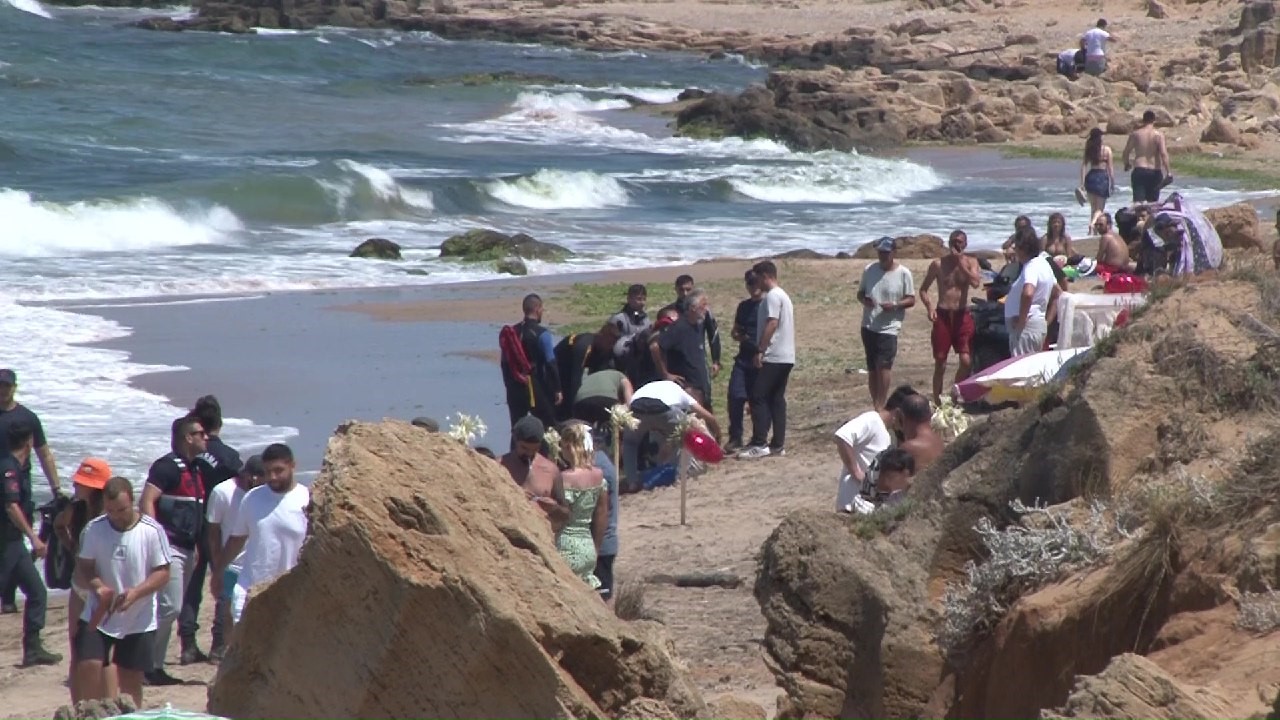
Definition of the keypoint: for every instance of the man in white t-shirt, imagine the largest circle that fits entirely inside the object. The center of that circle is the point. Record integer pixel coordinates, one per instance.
(659, 407)
(859, 443)
(124, 561)
(224, 505)
(269, 528)
(885, 292)
(775, 357)
(1031, 298)
(1095, 48)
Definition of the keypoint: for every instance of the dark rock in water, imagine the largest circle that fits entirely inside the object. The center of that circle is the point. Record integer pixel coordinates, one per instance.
(512, 266)
(842, 255)
(95, 709)
(231, 24)
(377, 249)
(803, 254)
(111, 3)
(692, 94)
(486, 78)
(491, 245)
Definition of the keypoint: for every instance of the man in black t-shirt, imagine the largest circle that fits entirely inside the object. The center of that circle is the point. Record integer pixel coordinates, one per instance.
(684, 356)
(16, 562)
(744, 367)
(174, 495)
(12, 413)
(218, 462)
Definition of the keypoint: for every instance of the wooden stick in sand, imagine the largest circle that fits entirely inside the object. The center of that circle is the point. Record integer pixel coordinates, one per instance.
(683, 479)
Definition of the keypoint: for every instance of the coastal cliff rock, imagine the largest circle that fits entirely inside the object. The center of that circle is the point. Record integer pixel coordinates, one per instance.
(1133, 687)
(430, 587)
(491, 245)
(915, 247)
(961, 605)
(1237, 225)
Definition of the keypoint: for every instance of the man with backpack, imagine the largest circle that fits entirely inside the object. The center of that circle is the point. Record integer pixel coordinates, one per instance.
(529, 366)
(174, 495)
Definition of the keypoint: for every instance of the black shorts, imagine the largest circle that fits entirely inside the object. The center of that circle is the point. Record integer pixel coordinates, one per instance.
(881, 349)
(132, 652)
(1146, 183)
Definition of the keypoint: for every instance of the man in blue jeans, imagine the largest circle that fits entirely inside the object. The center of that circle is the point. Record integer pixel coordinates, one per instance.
(743, 376)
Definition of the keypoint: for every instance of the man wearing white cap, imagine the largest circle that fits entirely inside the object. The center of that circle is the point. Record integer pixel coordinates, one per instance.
(886, 292)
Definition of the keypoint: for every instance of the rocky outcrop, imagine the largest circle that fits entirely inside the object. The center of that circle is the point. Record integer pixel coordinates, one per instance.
(96, 709)
(377, 249)
(859, 609)
(915, 247)
(491, 245)
(429, 587)
(1220, 130)
(1134, 688)
(850, 635)
(1237, 225)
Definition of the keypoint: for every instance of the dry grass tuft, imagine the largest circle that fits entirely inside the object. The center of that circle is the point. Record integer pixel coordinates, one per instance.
(1256, 482)
(630, 603)
(1203, 374)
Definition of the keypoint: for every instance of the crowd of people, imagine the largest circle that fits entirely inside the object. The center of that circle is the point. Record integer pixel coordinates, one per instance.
(136, 562)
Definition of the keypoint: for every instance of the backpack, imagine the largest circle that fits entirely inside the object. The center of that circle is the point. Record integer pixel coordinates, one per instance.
(513, 354)
(59, 560)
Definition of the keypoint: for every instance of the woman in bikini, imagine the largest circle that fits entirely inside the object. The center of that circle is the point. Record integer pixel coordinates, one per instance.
(1097, 177)
(1057, 242)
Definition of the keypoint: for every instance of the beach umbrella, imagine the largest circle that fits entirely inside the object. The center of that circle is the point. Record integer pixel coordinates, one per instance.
(1017, 379)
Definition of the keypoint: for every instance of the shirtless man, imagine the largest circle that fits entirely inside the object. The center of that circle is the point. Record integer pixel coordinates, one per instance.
(1113, 254)
(534, 473)
(1146, 155)
(952, 324)
(915, 417)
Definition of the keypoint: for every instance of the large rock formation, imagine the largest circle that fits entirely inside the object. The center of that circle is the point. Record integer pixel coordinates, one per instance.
(1134, 687)
(860, 623)
(1237, 225)
(429, 587)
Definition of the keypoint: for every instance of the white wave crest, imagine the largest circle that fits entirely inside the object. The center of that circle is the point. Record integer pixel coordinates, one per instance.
(837, 178)
(559, 190)
(30, 6)
(549, 104)
(35, 229)
(376, 181)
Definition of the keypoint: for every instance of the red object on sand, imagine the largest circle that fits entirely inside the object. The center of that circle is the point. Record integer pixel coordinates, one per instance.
(703, 447)
(1124, 283)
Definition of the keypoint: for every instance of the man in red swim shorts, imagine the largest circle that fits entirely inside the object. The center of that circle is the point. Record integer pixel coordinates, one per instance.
(955, 274)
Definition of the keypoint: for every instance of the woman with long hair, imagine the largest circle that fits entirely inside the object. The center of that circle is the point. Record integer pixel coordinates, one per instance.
(585, 490)
(87, 504)
(1056, 240)
(1097, 176)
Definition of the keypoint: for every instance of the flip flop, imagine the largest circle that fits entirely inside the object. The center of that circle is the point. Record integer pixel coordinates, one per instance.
(1080, 196)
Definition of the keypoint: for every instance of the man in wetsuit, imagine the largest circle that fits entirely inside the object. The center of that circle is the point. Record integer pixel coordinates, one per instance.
(17, 564)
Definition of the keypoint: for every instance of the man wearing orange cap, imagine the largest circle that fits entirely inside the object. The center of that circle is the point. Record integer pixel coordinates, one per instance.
(86, 504)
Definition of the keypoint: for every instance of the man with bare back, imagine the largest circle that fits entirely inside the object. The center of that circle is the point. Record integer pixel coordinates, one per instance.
(1146, 155)
(952, 324)
(1113, 254)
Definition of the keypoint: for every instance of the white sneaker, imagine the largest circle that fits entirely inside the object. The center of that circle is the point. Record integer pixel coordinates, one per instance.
(753, 452)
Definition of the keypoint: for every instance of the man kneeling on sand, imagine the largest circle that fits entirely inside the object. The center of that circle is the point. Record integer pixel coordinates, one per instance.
(124, 561)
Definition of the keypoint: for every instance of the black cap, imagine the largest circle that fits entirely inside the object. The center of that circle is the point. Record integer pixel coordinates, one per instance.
(254, 467)
(529, 429)
(8, 377)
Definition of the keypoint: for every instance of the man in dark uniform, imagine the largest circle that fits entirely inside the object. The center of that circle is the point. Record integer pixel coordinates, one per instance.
(11, 413)
(16, 562)
(217, 463)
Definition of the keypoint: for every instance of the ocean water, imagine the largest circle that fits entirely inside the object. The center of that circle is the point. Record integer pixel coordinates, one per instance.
(166, 165)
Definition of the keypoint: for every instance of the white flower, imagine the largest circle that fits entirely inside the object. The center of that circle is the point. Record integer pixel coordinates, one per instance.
(552, 439)
(621, 418)
(466, 429)
(950, 420)
(687, 423)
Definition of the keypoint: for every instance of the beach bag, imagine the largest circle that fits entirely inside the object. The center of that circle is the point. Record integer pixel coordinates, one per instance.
(59, 560)
(660, 476)
(513, 354)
